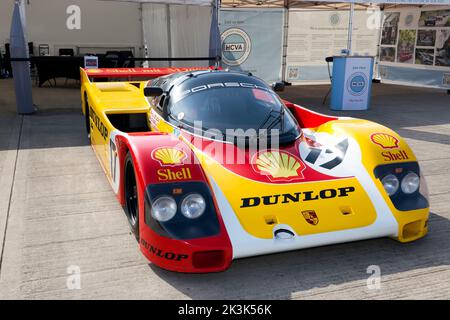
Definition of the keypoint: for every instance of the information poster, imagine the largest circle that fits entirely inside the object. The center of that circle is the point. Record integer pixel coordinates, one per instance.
(415, 46)
(316, 34)
(252, 41)
(352, 88)
(358, 77)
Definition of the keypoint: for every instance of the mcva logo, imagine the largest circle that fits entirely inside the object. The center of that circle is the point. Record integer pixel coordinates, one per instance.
(236, 46)
(357, 84)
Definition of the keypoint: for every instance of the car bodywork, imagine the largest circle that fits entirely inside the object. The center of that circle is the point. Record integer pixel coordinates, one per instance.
(405, 55)
(322, 188)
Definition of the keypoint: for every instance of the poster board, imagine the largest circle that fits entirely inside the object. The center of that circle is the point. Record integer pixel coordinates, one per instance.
(352, 83)
(252, 41)
(415, 46)
(314, 35)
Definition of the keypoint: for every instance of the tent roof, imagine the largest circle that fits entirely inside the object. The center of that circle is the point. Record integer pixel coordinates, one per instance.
(285, 3)
(190, 2)
(324, 4)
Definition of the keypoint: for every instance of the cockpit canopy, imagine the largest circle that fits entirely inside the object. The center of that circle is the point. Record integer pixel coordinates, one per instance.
(226, 102)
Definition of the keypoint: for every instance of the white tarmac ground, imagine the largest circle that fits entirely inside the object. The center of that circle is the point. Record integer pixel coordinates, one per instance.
(57, 210)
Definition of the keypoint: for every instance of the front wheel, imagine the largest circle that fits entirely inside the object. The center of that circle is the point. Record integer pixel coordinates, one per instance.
(131, 196)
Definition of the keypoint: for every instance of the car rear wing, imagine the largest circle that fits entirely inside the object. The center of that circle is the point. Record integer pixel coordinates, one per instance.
(129, 73)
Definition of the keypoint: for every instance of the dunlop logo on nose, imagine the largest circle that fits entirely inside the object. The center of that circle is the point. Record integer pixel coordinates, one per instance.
(296, 197)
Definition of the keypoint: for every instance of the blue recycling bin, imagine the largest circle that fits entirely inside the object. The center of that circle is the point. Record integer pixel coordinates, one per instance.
(351, 82)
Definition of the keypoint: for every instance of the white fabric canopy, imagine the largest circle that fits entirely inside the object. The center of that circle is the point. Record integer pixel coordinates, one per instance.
(288, 2)
(176, 31)
(176, 28)
(435, 2)
(185, 2)
(302, 3)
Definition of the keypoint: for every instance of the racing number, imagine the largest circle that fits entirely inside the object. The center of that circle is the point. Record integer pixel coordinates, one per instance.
(342, 150)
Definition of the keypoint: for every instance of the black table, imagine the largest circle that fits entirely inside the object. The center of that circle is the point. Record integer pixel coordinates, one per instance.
(52, 67)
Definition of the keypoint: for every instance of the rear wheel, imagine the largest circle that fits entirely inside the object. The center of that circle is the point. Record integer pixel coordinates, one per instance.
(131, 196)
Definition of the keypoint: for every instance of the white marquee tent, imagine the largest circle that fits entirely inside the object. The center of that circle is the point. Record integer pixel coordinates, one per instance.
(156, 22)
(206, 19)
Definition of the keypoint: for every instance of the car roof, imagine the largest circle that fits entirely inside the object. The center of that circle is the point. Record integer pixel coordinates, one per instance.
(191, 79)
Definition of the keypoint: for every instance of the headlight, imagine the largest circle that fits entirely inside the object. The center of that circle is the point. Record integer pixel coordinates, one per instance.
(193, 206)
(390, 184)
(164, 208)
(410, 183)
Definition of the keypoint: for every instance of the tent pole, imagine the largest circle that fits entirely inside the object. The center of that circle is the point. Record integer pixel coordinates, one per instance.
(144, 35)
(219, 49)
(350, 28)
(380, 33)
(215, 41)
(169, 34)
(285, 40)
(21, 69)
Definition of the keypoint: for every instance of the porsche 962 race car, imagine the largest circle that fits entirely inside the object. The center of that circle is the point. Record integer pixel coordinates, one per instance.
(211, 166)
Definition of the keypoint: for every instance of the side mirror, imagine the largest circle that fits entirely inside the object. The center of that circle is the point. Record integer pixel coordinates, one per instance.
(278, 86)
(153, 91)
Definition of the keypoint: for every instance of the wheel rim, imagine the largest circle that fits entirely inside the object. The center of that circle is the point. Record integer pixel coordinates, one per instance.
(131, 195)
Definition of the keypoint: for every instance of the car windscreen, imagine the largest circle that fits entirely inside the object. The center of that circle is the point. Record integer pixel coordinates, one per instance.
(225, 108)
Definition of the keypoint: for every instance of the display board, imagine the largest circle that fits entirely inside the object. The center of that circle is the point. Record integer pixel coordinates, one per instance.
(252, 41)
(415, 46)
(316, 34)
(352, 83)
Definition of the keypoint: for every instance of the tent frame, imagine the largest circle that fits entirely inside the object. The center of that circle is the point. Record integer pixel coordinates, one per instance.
(26, 106)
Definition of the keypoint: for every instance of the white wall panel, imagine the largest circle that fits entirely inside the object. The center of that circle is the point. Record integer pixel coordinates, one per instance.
(190, 27)
(103, 24)
(156, 31)
(186, 36)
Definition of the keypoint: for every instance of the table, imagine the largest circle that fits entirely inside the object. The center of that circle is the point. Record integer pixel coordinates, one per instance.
(52, 67)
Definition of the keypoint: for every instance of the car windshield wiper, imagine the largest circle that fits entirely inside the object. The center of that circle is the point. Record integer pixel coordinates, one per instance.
(269, 115)
(278, 118)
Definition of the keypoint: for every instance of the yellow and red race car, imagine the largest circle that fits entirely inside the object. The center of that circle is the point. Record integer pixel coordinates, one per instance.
(212, 165)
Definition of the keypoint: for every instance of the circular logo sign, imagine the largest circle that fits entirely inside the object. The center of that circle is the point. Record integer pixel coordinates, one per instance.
(236, 46)
(409, 19)
(335, 19)
(357, 84)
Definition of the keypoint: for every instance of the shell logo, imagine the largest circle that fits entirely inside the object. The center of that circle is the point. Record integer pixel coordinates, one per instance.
(278, 165)
(169, 156)
(384, 140)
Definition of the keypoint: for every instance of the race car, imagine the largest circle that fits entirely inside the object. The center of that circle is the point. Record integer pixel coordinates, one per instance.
(212, 165)
(404, 55)
(430, 21)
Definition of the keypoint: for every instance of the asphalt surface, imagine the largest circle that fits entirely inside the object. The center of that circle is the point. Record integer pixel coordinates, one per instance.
(58, 214)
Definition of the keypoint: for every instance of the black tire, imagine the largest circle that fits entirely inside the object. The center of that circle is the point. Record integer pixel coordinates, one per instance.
(131, 196)
(86, 116)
